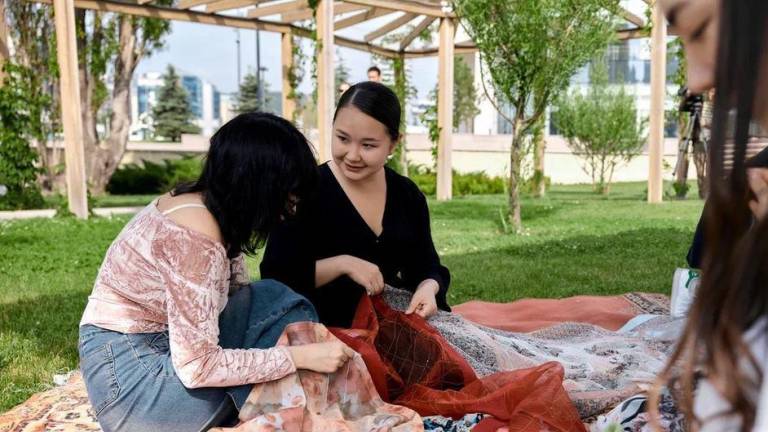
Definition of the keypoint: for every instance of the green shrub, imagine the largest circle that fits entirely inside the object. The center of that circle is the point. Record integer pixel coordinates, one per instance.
(153, 178)
(474, 183)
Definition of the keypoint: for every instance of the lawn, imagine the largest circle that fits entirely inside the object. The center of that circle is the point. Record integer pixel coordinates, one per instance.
(575, 242)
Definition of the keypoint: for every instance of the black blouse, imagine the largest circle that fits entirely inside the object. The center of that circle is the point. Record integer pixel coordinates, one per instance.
(328, 224)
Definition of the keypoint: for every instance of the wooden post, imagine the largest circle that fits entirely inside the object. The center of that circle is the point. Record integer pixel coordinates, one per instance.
(325, 78)
(4, 52)
(289, 106)
(64, 11)
(445, 109)
(658, 93)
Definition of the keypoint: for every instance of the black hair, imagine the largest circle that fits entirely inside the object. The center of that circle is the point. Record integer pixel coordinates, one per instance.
(257, 167)
(375, 69)
(375, 100)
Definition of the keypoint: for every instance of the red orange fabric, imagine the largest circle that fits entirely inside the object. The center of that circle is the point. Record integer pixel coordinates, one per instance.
(528, 315)
(412, 365)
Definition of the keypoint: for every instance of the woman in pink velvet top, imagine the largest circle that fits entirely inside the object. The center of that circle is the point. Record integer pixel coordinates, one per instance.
(174, 334)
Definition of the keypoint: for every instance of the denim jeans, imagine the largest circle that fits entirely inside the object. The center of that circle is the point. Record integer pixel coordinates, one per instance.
(133, 386)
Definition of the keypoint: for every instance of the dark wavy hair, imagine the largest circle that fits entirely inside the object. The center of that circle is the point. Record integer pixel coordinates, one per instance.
(375, 100)
(732, 296)
(257, 168)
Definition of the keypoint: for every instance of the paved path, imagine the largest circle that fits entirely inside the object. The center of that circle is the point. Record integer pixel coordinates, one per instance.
(48, 213)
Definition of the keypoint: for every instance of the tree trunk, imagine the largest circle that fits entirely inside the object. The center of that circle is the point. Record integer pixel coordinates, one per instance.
(515, 160)
(681, 174)
(90, 138)
(108, 156)
(539, 185)
(700, 161)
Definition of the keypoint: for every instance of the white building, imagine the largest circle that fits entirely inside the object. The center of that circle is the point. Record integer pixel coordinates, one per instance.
(629, 65)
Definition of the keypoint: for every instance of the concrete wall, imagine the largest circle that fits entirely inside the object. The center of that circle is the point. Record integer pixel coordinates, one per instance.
(488, 153)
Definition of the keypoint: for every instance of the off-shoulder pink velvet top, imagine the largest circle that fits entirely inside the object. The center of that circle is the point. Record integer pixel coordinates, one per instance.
(159, 275)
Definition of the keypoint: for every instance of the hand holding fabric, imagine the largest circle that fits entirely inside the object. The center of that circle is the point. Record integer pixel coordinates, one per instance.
(324, 357)
(365, 273)
(423, 302)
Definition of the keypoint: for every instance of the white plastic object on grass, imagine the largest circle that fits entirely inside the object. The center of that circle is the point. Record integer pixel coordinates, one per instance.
(684, 285)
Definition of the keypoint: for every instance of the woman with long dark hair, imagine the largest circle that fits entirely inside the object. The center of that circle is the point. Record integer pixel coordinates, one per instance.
(367, 225)
(719, 365)
(174, 335)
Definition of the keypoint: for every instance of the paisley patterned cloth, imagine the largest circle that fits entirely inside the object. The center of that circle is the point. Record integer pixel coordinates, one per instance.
(308, 401)
(61, 409)
(602, 367)
(157, 276)
(300, 402)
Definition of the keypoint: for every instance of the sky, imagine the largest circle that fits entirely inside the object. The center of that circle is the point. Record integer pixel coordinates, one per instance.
(210, 52)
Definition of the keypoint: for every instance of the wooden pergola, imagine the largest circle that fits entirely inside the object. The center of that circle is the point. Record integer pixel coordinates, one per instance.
(292, 18)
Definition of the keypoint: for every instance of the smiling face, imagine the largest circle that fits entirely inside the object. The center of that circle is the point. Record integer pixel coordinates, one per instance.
(697, 22)
(360, 145)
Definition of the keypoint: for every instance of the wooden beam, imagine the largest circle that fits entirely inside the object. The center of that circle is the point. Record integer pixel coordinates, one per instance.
(326, 90)
(340, 8)
(445, 109)
(305, 14)
(360, 18)
(166, 13)
(404, 6)
(389, 27)
(220, 20)
(274, 9)
(286, 52)
(66, 47)
(433, 52)
(423, 25)
(297, 15)
(366, 47)
(658, 93)
(632, 18)
(186, 4)
(4, 51)
(223, 5)
(144, 1)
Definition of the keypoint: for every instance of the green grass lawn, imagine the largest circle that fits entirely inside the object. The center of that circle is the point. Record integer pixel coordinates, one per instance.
(575, 242)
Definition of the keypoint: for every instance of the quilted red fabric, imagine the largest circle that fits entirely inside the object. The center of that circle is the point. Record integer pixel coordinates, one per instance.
(412, 365)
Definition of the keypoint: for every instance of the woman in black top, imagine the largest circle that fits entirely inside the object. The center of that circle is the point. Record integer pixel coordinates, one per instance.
(366, 226)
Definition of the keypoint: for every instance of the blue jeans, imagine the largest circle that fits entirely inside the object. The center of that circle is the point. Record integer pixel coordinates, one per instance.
(133, 386)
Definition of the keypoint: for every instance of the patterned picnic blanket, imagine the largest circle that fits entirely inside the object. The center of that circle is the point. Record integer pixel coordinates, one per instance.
(301, 402)
(602, 368)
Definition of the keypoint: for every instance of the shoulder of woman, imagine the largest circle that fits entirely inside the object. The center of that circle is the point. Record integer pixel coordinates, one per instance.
(196, 219)
(404, 185)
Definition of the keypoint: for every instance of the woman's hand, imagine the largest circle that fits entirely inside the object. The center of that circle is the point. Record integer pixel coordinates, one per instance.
(758, 182)
(423, 302)
(365, 274)
(325, 357)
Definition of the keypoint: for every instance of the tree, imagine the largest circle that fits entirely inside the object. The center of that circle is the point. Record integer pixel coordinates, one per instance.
(341, 75)
(37, 72)
(19, 104)
(532, 48)
(464, 94)
(248, 97)
(110, 47)
(111, 44)
(601, 127)
(172, 116)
